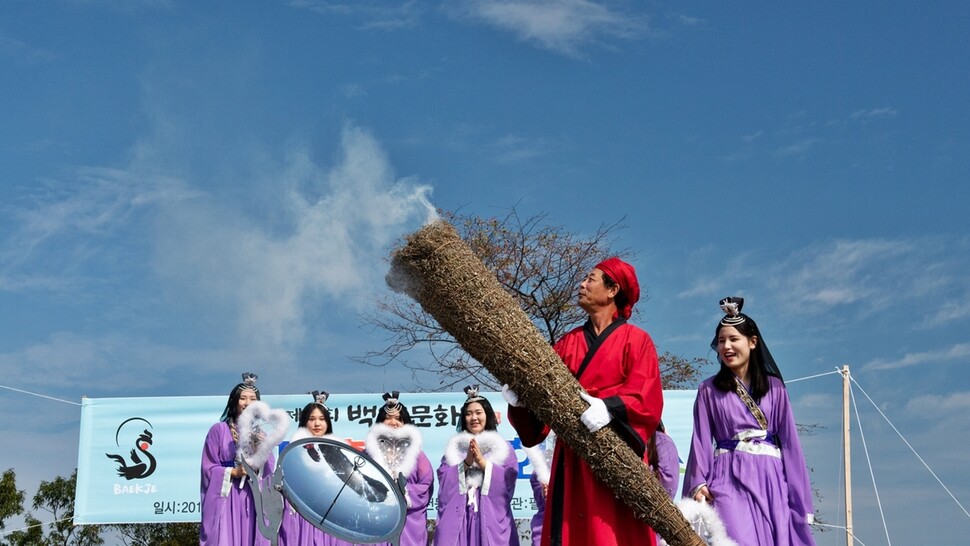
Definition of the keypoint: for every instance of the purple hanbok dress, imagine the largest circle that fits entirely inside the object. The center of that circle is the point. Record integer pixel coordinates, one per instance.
(668, 465)
(398, 451)
(295, 530)
(228, 510)
(758, 478)
(475, 504)
(539, 494)
(540, 456)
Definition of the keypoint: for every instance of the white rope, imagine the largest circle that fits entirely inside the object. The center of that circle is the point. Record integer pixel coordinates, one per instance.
(891, 425)
(12, 531)
(872, 475)
(40, 395)
(842, 529)
(811, 376)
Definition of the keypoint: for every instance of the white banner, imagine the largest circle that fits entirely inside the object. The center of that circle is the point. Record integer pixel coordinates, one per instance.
(139, 459)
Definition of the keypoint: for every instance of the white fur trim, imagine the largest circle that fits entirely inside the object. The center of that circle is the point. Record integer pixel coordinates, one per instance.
(705, 521)
(376, 449)
(260, 429)
(540, 457)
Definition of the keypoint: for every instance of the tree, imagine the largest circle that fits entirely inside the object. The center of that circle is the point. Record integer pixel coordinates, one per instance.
(158, 534)
(11, 498)
(541, 266)
(57, 498)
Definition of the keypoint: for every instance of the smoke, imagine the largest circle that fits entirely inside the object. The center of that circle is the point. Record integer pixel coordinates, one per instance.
(324, 246)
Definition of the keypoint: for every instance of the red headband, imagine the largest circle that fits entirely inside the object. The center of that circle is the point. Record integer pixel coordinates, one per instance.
(624, 275)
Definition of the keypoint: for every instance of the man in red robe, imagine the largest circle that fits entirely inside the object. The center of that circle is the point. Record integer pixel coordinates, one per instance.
(616, 363)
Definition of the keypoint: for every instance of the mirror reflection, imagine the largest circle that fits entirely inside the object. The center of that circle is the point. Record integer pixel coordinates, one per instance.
(342, 491)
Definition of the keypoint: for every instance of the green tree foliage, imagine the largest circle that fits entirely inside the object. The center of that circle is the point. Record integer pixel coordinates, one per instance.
(57, 499)
(11, 498)
(541, 266)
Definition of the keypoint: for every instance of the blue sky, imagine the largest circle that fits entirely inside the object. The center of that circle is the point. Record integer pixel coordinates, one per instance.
(192, 190)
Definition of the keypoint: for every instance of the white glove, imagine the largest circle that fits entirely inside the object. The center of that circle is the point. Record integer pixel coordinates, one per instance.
(596, 415)
(510, 396)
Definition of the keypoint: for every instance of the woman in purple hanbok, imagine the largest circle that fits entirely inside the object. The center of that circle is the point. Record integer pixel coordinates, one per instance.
(745, 457)
(540, 456)
(663, 460)
(395, 444)
(228, 511)
(476, 481)
(295, 530)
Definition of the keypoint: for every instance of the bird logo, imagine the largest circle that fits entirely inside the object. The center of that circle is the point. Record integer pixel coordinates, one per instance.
(141, 463)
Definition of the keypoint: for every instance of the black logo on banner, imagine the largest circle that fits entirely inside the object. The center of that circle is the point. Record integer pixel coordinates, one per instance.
(142, 463)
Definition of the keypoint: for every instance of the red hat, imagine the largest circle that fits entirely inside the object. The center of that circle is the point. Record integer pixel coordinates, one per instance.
(624, 275)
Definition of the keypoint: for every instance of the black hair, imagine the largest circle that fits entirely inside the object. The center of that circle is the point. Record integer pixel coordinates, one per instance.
(404, 415)
(620, 298)
(308, 409)
(231, 413)
(491, 422)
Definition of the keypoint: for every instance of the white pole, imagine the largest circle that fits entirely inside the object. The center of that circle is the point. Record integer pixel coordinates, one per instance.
(847, 455)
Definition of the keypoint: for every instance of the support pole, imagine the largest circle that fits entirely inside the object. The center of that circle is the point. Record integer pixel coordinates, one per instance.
(847, 455)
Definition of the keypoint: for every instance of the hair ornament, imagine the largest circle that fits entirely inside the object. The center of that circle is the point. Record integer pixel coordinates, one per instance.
(472, 392)
(320, 399)
(732, 310)
(392, 404)
(249, 381)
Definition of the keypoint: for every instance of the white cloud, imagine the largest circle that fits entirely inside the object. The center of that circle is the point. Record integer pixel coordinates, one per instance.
(841, 273)
(562, 26)
(848, 280)
(374, 15)
(957, 403)
(331, 251)
(959, 352)
(874, 113)
(16, 49)
(69, 366)
(512, 148)
(78, 216)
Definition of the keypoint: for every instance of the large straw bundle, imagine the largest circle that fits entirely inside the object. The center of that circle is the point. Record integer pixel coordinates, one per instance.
(436, 268)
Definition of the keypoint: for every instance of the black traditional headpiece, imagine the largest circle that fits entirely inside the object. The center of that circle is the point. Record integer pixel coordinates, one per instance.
(248, 382)
(392, 404)
(320, 399)
(472, 392)
(732, 311)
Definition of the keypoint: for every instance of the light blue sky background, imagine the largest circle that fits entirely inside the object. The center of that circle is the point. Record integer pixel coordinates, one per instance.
(195, 189)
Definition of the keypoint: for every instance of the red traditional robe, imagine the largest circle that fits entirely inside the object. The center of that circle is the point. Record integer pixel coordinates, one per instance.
(620, 366)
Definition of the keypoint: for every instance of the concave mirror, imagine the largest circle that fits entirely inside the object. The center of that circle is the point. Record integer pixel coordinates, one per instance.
(342, 491)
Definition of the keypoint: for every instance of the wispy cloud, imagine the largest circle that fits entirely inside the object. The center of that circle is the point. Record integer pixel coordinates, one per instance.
(372, 15)
(95, 203)
(513, 148)
(958, 352)
(797, 148)
(874, 113)
(798, 133)
(860, 278)
(72, 365)
(562, 26)
(20, 51)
